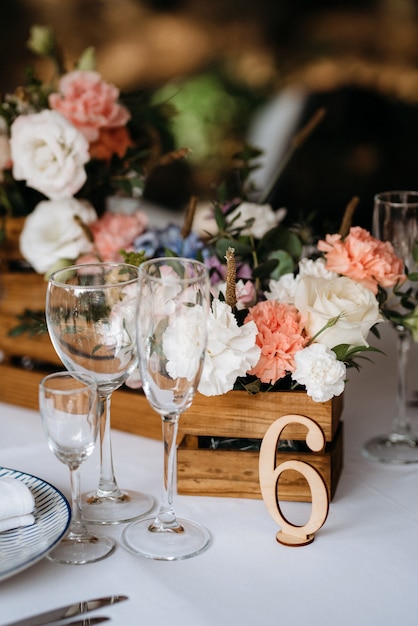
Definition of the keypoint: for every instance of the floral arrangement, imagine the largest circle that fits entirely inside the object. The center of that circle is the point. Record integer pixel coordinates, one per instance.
(66, 147)
(284, 316)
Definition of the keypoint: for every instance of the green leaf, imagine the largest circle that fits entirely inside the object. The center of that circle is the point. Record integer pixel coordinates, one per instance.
(265, 270)
(286, 264)
(241, 248)
(280, 238)
(219, 218)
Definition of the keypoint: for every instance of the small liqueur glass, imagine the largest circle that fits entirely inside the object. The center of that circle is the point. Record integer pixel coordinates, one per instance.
(68, 406)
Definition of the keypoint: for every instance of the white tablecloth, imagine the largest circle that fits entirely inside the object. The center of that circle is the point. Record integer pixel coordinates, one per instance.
(361, 570)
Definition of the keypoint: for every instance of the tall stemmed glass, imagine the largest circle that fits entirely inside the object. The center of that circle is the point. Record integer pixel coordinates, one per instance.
(173, 304)
(90, 312)
(395, 219)
(68, 405)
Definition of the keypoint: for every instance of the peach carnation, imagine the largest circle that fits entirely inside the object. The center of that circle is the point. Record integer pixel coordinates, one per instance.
(280, 336)
(116, 231)
(109, 142)
(363, 258)
(89, 103)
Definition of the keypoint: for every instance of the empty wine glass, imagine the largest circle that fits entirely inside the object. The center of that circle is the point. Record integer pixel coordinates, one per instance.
(68, 406)
(90, 313)
(173, 302)
(395, 219)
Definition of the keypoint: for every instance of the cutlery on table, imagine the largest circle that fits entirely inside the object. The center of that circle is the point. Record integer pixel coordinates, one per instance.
(70, 610)
(85, 621)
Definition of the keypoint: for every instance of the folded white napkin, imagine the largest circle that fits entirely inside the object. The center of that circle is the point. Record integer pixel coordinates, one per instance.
(16, 504)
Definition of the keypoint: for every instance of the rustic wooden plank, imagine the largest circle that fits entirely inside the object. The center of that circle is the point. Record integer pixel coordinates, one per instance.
(234, 473)
(238, 414)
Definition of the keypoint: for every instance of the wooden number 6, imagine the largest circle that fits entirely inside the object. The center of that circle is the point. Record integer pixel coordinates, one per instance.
(269, 474)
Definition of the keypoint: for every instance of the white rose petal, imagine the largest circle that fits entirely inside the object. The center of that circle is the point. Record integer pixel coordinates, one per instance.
(49, 153)
(51, 233)
(320, 300)
(318, 369)
(231, 350)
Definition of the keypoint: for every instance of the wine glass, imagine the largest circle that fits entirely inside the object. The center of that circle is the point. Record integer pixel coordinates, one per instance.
(173, 304)
(395, 219)
(68, 405)
(90, 313)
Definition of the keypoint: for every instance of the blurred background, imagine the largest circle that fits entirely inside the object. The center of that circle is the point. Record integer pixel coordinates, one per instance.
(239, 71)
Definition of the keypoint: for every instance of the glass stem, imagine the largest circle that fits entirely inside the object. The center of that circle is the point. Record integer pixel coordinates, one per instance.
(401, 423)
(166, 519)
(78, 529)
(107, 482)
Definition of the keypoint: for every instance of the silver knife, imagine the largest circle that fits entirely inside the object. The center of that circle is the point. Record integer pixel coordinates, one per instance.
(71, 610)
(87, 621)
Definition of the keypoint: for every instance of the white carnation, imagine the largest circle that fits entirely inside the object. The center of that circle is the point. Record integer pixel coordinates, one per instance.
(318, 369)
(317, 267)
(51, 233)
(231, 350)
(283, 290)
(184, 343)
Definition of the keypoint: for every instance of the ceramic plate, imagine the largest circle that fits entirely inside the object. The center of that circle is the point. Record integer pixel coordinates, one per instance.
(22, 547)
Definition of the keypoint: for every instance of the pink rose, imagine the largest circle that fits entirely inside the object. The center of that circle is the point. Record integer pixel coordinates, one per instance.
(116, 231)
(363, 258)
(90, 103)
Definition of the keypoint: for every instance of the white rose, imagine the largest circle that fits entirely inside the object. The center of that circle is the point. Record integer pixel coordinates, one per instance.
(51, 233)
(49, 153)
(320, 300)
(262, 218)
(318, 369)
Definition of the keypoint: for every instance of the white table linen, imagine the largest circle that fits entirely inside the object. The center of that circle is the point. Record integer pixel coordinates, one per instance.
(359, 571)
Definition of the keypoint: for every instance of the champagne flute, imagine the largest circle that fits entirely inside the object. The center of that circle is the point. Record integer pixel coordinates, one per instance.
(173, 304)
(68, 405)
(395, 219)
(90, 313)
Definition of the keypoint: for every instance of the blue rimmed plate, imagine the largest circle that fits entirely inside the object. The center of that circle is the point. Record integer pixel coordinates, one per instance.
(22, 547)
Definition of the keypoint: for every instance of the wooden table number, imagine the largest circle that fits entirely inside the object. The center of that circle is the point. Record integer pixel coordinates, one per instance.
(269, 474)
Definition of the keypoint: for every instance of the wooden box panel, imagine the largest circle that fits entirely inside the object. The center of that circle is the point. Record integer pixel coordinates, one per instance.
(238, 414)
(234, 473)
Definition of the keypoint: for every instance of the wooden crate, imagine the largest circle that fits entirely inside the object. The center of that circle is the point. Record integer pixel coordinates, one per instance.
(234, 472)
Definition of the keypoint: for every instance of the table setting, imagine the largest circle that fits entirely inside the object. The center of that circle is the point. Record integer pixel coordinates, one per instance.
(250, 307)
(359, 568)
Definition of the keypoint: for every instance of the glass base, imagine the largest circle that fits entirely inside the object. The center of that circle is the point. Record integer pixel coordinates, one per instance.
(166, 545)
(116, 510)
(82, 551)
(392, 449)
